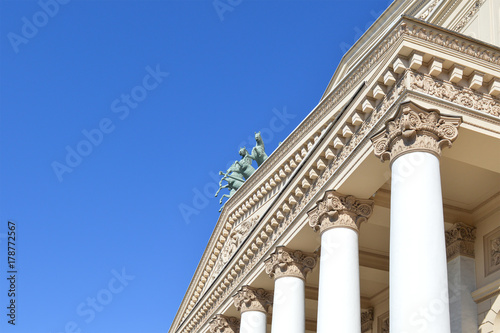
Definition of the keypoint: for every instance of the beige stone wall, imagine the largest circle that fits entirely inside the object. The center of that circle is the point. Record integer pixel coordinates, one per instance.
(483, 228)
(486, 23)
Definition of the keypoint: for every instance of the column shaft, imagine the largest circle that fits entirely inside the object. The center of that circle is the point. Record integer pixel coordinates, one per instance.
(288, 305)
(339, 295)
(418, 275)
(253, 322)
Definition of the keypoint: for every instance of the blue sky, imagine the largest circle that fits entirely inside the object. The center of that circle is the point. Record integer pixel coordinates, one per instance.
(114, 117)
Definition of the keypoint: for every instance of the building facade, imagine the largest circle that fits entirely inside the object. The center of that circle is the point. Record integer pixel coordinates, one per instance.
(381, 211)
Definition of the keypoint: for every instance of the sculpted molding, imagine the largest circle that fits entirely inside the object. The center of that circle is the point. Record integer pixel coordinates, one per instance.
(470, 14)
(287, 262)
(453, 93)
(188, 320)
(223, 324)
(338, 210)
(253, 299)
(415, 129)
(460, 241)
(367, 320)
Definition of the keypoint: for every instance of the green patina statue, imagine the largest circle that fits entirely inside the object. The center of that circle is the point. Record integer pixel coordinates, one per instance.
(240, 170)
(234, 179)
(258, 153)
(246, 163)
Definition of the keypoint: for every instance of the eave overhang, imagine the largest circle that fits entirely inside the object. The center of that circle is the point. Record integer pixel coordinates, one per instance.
(415, 60)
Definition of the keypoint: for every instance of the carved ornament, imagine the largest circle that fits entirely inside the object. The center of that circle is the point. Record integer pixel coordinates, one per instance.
(460, 241)
(338, 210)
(415, 129)
(253, 299)
(223, 324)
(185, 319)
(470, 14)
(367, 320)
(491, 243)
(287, 262)
(451, 92)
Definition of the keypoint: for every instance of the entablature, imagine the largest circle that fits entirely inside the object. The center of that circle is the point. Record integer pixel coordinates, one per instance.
(407, 62)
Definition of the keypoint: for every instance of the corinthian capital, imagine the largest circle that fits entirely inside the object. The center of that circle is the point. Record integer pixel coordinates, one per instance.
(223, 324)
(460, 241)
(253, 299)
(415, 129)
(338, 210)
(287, 262)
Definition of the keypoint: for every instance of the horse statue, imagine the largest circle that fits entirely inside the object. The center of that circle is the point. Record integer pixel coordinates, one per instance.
(246, 163)
(234, 179)
(258, 153)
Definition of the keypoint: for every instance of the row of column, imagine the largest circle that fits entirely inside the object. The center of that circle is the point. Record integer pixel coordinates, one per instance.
(418, 267)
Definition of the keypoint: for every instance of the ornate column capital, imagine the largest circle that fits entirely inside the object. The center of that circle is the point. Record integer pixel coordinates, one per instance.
(287, 262)
(224, 324)
(460, 241)
(338, 210)
(415, 129)
(367, 320)
(253, 299)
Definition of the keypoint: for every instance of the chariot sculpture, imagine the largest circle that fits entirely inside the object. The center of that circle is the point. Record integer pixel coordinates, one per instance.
(241, 170)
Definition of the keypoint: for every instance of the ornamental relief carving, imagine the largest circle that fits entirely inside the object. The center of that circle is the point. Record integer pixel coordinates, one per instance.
(407, 26)
(236, 237)
(223, 324)
(415, 129)
(345, 154)
(492, 251)
(287, 262)
(253, 299)
(470, 14)
(451, 92)
(335, 165)
(367, 320)
(460, 241)
(338, 210)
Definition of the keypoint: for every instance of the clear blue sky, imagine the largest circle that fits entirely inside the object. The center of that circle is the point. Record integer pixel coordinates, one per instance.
(114, 115)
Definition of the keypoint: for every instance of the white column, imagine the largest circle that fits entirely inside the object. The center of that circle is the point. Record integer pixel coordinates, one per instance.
(253, 322)
(418, 298)
(338, 217)
(253, 304)
(289, 305)
(460, 240)
(289, 269)
(418, 270)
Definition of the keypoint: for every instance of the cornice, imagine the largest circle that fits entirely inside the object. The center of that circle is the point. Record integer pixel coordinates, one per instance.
(366, 116)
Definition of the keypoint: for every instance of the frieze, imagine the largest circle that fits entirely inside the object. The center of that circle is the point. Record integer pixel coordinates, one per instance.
(453, 93)
(407, 26)
(334, 166)
(238, 234)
